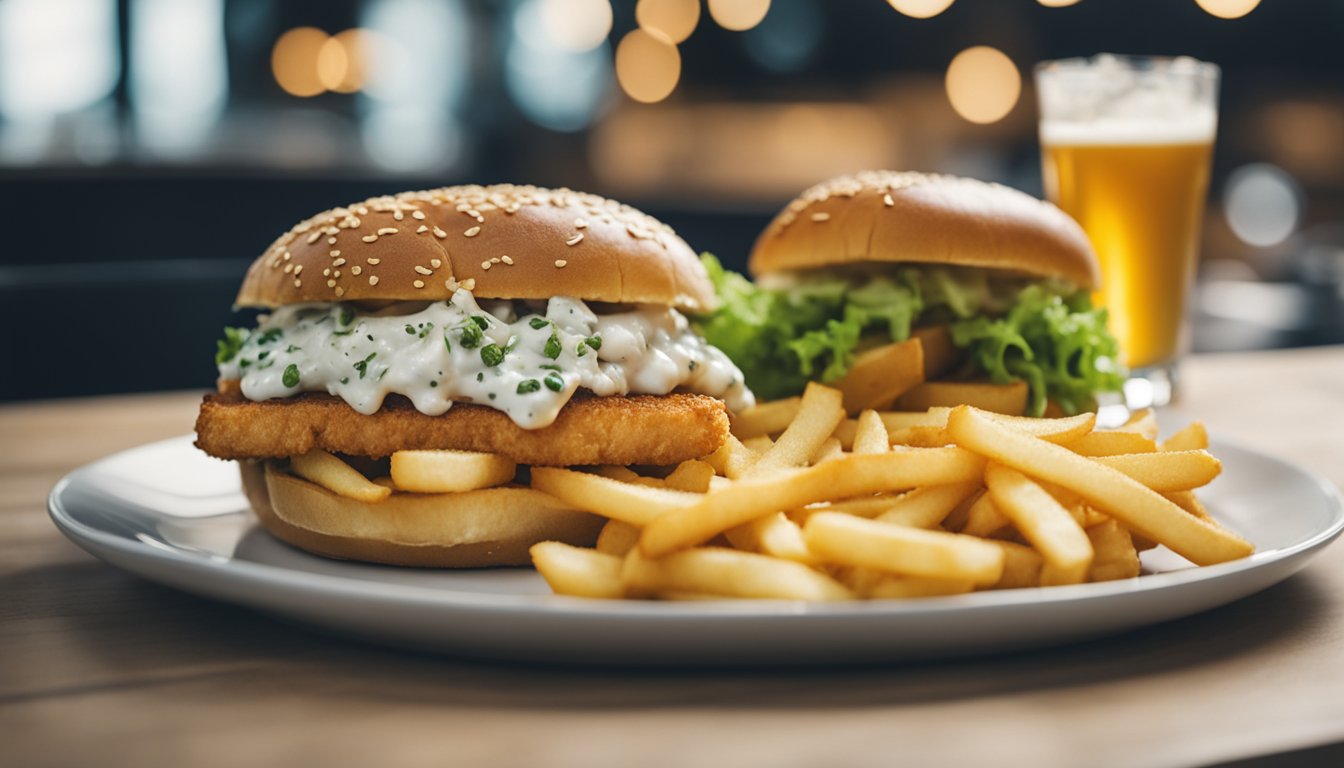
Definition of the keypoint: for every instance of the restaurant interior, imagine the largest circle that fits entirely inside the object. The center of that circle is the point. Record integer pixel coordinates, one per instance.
(150, 149)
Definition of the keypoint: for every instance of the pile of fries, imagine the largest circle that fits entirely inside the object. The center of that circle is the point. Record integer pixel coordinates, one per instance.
(805, 504)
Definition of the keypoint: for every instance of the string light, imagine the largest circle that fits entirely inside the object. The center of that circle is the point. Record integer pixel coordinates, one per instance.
(674, 19)
(738, 15)
(1228, 9)
(920, 9)
(983, 84)
(647, 66)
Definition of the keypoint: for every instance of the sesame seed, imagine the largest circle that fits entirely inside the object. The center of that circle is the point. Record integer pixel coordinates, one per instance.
(494, 259)
(287, 256)
(485, 265)
(331, 241)
(423, 270)
(439, 233)
(369, 238)
(419, 283)
(297, 270)
(418, 215)
(822, 216)
(331, 283)
(507, 260)
(469, 284)
(334, 253)
(474, 231)
(373, 279)
(336, 273)
(338, 263)
(887, 201)
(580, 224)
(388, 230)
(313, 237)
(435, 263)
(340, 292)
(326, 272)
(373, 261)
(398, 215)
(421, 230)
(355, 270)
(575, 240)
(560, 263)
(298, 283)
(289, 268)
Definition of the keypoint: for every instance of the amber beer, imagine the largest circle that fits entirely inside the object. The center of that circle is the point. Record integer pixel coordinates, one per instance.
(1126, 144)
(1142, 204)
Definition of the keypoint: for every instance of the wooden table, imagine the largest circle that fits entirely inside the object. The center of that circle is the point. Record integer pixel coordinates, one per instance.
(100, 668)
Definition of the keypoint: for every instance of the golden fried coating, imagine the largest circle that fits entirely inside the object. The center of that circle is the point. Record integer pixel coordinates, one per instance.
(638, 429)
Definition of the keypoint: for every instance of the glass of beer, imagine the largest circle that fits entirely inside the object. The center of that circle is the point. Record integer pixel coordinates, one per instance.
(1126, 145)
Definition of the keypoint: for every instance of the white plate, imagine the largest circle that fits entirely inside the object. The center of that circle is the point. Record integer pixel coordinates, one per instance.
(169, 513)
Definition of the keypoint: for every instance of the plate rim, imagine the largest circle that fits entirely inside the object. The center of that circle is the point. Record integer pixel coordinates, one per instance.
(551, 605)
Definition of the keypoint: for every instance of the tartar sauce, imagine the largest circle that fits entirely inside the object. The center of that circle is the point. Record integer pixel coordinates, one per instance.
(506, 355)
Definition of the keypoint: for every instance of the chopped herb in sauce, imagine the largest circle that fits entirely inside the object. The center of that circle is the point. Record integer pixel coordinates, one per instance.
(471, 337)
(552, 348)
(554, 381)
(550, 367)
(594, 341)
(363, 365)
(269, 337)
(481, 322)
(291, 376)
(528, 386)
(347, 315)
(538, 322)
(492, 355)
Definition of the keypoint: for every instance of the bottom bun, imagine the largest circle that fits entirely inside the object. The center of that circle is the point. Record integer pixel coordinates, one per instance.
(475, 529)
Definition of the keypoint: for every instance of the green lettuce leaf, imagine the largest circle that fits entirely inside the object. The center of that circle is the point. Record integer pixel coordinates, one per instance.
(1043, 333)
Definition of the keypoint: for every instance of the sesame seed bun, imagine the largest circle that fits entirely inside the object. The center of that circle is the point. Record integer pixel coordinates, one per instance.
(499, 242)
(886, 216)
(476, 529)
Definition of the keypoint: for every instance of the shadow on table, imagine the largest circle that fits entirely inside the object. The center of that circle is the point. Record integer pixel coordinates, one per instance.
(179, 637)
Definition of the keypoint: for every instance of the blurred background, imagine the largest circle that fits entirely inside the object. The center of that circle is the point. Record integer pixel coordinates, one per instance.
(150, 149)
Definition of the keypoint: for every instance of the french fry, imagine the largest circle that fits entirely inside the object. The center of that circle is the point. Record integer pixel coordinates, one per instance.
(940, 354)
(1042, 521)
(871, 434)
(1111, 443)
(848, 540)
(872, 584)
(753, 497)
(617, 538)
(894, 421)
(732, 459)
(321, 468)
(921, 437)
(1137, 507)
(1021, 566)
(1063, 429)
(1187, 501)
(718, 571)
(880, 375)
(1167, 471)
(626, 475)
(818, 414)
(984, 518)
(863, 506)
(693, 476)
(578, 571)
(1008, 399)
(1194, 437)
(628, 502)
(758, 445)
(926, 507)
(769, 418)
(1142, 422)
(774, 535)
(829, 449)
(449, 471)
(1115, 556)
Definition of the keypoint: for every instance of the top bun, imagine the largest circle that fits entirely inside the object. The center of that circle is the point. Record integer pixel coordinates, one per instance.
(885, 216)
(499, 242)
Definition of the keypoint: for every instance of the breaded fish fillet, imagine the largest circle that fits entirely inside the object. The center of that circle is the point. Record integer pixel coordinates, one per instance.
(638, 429)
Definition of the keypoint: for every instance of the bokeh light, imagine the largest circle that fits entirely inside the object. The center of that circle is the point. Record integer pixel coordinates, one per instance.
(738, 15)
(294, 61)
(647, 66)
(920, 9)
(356, 48)
(555, 87)
(1262, 204)
(674, 19)
(983, 84)
(577, 25)
(1228, 9)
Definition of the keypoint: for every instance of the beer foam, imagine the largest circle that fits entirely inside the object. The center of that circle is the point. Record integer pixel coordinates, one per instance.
(1190, 128)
